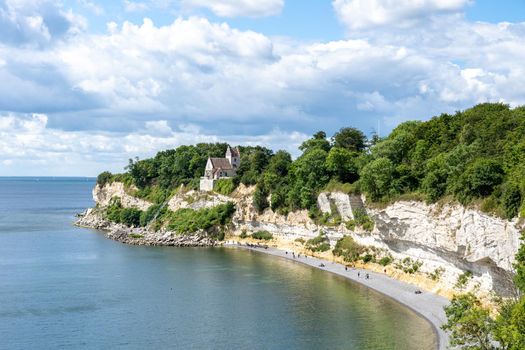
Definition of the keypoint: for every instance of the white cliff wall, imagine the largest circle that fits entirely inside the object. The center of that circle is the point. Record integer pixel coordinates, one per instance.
(103, 195)
(451, 237)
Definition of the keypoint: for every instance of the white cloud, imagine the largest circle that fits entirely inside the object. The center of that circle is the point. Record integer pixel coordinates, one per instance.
(28, 144)
(365, 14)
(135, 6)
(236, 8)
(36, 22)
(140, 88)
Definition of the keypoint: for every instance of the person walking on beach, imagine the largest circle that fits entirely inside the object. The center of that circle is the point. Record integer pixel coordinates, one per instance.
(346, 268)
(358, 274)
(367, 276)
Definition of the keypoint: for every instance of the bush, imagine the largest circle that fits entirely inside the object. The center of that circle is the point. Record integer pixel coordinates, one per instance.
(260, 199)
(187, 221)
(224, 186)
(436, 274)
(127, 216)
(300, 240)
(386, 260)
(368, 258)
(136, 235)
(348, 248)
(243, 234)
(104, 178)
(130, 216)
(156, 210)
(463, 280)
(318, 244)
(262, 235)
(409, 266)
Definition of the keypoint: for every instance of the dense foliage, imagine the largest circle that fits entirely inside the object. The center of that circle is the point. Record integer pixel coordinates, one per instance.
(187, 221)
(262, 235)
(475, 156)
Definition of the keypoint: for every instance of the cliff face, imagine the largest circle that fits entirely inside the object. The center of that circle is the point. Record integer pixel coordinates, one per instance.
(449, 237)
(103, 195)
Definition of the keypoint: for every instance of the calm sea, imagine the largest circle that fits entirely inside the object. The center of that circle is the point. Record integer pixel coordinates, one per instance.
(63, 287)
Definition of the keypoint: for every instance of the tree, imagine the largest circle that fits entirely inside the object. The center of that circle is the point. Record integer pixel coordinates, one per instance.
(469, 323)
(260, 198)
(103, 178)
(376, 178)
(479, 179)
(280, 163)
(519, 265)
(341, 163)
(351, 139)
(318, 141)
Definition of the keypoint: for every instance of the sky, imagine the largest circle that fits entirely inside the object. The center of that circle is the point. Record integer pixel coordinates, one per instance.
(85, 84)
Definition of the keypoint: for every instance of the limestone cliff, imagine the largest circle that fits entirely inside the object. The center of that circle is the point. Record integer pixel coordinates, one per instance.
(448, 237)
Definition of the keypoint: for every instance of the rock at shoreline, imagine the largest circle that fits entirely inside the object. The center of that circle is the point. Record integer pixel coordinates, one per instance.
(92, 218)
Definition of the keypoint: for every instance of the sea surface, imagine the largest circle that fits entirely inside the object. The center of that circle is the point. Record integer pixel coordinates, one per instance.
(63, 287)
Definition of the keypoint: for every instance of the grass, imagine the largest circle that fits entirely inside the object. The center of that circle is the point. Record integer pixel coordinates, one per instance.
(136, 235)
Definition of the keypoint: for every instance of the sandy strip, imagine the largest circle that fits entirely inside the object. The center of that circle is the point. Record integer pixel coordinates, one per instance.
(428, 305)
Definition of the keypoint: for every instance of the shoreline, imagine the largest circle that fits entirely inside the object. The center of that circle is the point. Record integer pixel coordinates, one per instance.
(427, 305)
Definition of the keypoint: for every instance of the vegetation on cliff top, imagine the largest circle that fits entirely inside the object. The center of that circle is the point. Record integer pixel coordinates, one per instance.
(476, 157)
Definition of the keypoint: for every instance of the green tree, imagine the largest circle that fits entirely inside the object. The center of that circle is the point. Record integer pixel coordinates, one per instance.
(318, 141)
(341, 163)
(469, 324)
(260, 198)
(376, 178)
(519, 265)
(351, 139)
(104, 177)
(479, 180)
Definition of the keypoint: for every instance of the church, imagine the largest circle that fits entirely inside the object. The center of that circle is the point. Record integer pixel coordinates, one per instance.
(220, 168)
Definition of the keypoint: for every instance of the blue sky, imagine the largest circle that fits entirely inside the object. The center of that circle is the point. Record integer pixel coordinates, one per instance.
(88, 84)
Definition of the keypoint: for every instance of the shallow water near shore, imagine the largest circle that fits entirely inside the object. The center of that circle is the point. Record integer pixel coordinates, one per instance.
(66, 287)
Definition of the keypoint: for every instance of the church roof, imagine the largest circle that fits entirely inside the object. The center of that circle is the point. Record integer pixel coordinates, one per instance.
(222, 163)
(235, 151)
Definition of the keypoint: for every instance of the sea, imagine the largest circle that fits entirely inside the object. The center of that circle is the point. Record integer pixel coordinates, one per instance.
(64, 287)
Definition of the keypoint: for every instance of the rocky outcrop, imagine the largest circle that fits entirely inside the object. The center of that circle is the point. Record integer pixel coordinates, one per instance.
(93, 218)
(103, 195)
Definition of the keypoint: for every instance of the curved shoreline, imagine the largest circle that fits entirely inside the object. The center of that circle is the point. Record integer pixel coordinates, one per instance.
(427, 305)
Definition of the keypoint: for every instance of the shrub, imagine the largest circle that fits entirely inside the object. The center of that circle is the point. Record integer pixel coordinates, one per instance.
(436, 274)
(187, 221)
(318, 244)
(368, 258)
(262, 235)
(300, 240)
(156, 210)
(386, 260)
(348, 248)
(224, 186)
(350, 225)
(463, 280)
(130, 216)
(409, 266)
(104, 178)
(260, 198)
(243, 234)
(136, 235)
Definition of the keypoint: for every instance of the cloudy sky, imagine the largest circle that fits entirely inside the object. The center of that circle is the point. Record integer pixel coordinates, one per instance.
(86, 84)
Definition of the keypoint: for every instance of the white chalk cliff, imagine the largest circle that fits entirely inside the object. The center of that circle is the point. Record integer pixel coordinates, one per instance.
(450, 236)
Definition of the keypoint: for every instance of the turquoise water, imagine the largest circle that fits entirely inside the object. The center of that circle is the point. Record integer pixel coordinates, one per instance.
(63, 287)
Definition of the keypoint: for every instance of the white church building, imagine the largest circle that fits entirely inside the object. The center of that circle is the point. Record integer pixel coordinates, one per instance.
(220, 168)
